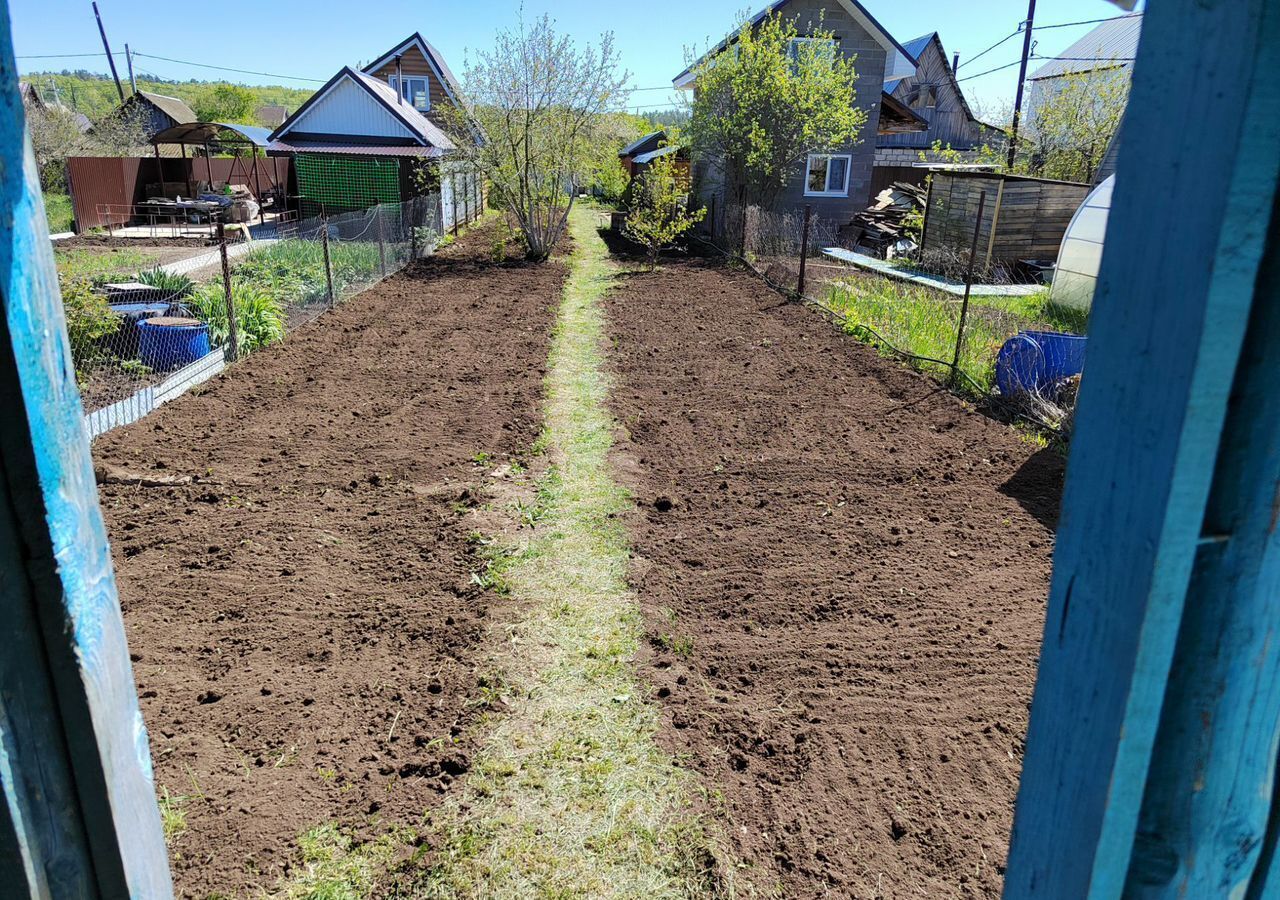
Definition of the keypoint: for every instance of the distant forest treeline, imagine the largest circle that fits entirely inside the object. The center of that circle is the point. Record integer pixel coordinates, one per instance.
(95, 95)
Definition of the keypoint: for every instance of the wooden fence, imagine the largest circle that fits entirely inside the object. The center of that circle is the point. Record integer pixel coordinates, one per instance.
(1024, 218)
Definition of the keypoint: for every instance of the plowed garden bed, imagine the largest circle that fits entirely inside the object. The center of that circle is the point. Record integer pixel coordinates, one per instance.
(301, 614)
(843, 573)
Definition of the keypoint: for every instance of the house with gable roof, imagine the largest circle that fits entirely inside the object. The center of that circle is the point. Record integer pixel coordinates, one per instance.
(837, 184)
(376, 135)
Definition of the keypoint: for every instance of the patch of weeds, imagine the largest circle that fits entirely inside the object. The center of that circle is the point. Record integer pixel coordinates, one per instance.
(680, 646)
(335, 867)
(482, 458)
(173, 815)
(541, 443)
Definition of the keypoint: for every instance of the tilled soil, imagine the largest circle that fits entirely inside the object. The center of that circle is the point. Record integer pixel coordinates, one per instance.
(842, 571)
(301, 618)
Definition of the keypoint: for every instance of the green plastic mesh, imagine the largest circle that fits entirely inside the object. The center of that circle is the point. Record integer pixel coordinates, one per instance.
(335, 184)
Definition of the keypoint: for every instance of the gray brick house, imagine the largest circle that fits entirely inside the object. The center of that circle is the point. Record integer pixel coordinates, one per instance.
(836, 184)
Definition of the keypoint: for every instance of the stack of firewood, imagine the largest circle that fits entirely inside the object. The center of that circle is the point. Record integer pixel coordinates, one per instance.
(883, 224)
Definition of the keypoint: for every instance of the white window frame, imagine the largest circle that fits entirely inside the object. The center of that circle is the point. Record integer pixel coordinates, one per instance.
(409, 81)
(793, 50)
(843, 191)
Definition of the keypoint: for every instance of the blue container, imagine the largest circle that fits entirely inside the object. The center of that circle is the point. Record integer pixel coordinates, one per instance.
(1035, 361)
(168, 343)
(124, 342)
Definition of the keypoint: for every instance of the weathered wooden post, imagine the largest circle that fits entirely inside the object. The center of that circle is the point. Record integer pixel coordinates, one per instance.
(78, 815)
(1150, 769)
(453, 197)
(233, 325)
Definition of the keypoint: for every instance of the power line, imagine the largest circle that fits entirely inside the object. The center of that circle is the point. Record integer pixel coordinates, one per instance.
(1088, 22)
(1016, 62)
(989, 49)
(187, 62)
(66, 55)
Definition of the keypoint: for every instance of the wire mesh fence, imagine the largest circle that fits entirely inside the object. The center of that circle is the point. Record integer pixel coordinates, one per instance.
(1008, 344)
(139, 340)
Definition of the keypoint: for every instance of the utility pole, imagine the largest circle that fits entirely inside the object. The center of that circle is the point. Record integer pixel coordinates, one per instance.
(1029, 25)
(128, 55)
(111, 60)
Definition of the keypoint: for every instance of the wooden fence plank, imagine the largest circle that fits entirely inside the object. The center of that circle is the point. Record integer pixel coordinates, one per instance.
(60, 602)
(1178, 286)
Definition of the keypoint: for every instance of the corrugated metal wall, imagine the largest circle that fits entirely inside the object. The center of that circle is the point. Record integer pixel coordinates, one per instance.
(124, 181)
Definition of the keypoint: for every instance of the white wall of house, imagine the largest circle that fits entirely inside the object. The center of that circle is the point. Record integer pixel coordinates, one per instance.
(348, 109)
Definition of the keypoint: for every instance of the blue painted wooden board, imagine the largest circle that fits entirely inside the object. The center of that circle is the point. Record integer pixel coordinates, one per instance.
(80, 802)
(1189, 230)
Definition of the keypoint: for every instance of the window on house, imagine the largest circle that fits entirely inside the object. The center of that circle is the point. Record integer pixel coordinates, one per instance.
(415, 90)
(821, 47)
(827, 176)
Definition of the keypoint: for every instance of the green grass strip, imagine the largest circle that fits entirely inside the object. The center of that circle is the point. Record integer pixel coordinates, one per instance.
(571, 797)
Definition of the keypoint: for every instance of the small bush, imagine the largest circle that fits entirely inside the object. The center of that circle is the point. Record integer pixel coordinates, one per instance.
(89, 320)
(259, 316)
(174, 286)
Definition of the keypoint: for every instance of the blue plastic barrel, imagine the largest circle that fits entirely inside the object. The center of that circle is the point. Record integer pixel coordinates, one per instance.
(1036, 361)
(170, 343)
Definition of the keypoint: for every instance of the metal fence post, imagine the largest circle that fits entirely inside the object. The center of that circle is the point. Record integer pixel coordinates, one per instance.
(233, 327)
(328, 266)
(382, 243)
(968, 286)
(804, 247)
(413, 228)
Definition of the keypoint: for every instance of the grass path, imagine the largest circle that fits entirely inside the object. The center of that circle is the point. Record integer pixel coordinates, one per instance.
(570, 796)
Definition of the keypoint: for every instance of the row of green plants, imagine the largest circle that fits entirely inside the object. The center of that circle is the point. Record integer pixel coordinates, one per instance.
(292, 271)
(919, 321)
(282, 274)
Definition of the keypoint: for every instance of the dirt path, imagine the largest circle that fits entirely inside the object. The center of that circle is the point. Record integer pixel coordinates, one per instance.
(570, 795)
(302, 619)
(842, 573)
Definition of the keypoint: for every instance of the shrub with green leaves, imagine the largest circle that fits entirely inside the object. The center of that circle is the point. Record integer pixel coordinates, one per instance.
(174, 286)
(259, 316)
(660, 213)
(89, 320)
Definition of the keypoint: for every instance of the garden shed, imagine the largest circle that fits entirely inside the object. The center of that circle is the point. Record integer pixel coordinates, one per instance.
(1023, 218)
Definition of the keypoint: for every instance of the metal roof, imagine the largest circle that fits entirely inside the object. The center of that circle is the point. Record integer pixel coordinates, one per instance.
(208, 132)
(432, 56)
(646, 158)
(917, 46)
(1113, 44)
(386, 96)
(636, 145)
(354, 149)
(171, 106)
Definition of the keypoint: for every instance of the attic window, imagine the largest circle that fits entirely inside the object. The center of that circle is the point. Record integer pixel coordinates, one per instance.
(822, 47)
(416, 91)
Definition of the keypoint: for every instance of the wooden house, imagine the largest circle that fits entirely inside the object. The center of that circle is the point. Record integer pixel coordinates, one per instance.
(158, 112)
(637, 156)
(836, 183)
(375, 135)
(932, 92)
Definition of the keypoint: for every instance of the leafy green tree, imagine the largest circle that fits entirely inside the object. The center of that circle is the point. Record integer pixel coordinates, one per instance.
(1072, 125)
(533, 120)
(767, 101)
(226, 103)
(659, 210)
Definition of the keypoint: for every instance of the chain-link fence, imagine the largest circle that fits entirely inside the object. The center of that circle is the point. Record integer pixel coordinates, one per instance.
(140, 340)
(1007, 343)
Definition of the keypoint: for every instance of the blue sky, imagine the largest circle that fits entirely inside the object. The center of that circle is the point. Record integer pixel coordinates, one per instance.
(313, 39)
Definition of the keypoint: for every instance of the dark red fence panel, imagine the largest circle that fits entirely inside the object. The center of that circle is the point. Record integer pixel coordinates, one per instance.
(118, 182)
